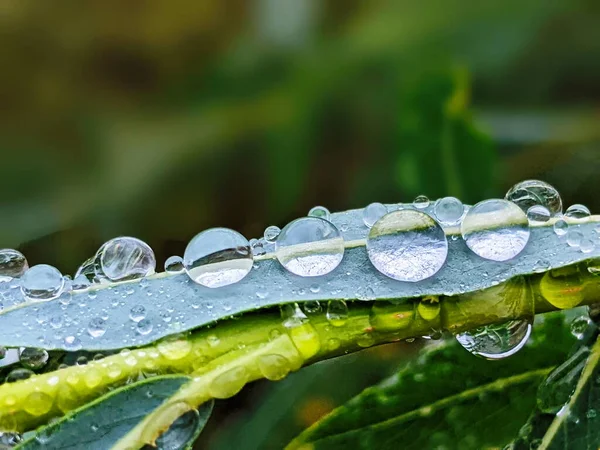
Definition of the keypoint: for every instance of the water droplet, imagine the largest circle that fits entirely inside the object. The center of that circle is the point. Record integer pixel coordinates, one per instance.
(42, 282)
(72, 343)
(126, 258)
(587, 245)
(310, 247)
(38, 403)
(448, 210)
(496, 229)
(312, 307)
(12, 263)
(174, 265)
(579, 326)
(18, 375)
(496, 341)
(530, 193)
(577, 211)
(273, 367)
(561, 227)
(137, 313)
(538, 214)
(271, 233)
(292, 315)
(337, 312)
(33, 358)
(180, 432)
(314, 288)
(421, 202)
(321, 212)
(574, 237)
(175, 348)
(144, 327)
(372, 213)
(97, 327)
(407, 245)
(218, 257)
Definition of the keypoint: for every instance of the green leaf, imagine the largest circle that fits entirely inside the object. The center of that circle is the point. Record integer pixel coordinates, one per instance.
(104, 422)
(446, 399)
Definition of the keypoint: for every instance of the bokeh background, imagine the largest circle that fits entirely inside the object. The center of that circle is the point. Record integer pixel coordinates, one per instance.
(159, 119)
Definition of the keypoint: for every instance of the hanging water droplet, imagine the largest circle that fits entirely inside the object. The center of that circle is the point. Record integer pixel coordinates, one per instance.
(312, 307)
(292, 315)
(137, 313)
(538, 214)
(33, 358)
(174, 265)
(321, 212)
(407, 245)
(144, 327)
(574, 237)
(496, 341)
(126, 258)
(273, 367)
(579, 326)
(421, 202)
(218, 257)
(561, 227)
(373, 213)
(310, 247)
(535, 193)
(12, 263)
(42, 282)
(448, 210)
(496, 229)
(271, 233)
(337, 312)
(97, 327)
(577, 211)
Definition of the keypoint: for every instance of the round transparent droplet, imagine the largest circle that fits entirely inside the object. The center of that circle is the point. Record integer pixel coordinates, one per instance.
(337, 312)
(496, 341)
(421, 202)
(530, 193)
(42, 282)
(258, 247)
(33, 358)
(271, 233)
(538, 214)
(561, 227)
(574, 236)
(137, 313)
(587, 245)
(373, 213)
(321, 212)
(407, 245)
(496, 229)
(18, 375)
(97, 327)
(126, 258)
(448, 210)
(144, 327)
(12, 263)
(310, 247)
(174, 265)
(577, 211)
(218, 257)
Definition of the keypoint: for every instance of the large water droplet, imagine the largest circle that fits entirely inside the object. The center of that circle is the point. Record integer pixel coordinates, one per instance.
(42, 282)
(180, 432)
(373, 213)
(448, 210)
(144, 327)
(12, 263)
(18, 375)
(407, 245)
(496, 229)
(271, 233)
(218, 257)
(137, 313)
(577, 211)
(33, 358)
(126, 258)
(535, 193)
(321, 212)
(174, 265)
(579, 326)
(496, 341)
(310, 247)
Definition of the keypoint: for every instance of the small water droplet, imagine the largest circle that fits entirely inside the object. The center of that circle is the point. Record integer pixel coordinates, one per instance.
(529, 193)
(574, 237)
(321, 212)
(144, 327)
(587, 245)
(38, 403)
(174, 265)
(310, 247)
(577, 211)
(373, 212)
(337, 312)
(496, 341)
(72, 343)
(33, 358)
(12, 263)
(137, 313)
(497, 230)
(314, 288)
(407, 245)
(126, 258)
(538, 214)
(97, 327)
(218, 257)
(448, 210)
(561, 227)
(421, 202)
(271, 233)
(42, 282)
(579, 326)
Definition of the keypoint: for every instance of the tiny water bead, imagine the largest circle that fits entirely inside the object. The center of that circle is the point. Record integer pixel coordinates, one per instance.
(577, 211)
(321, 212)
(12, 263)
(421, 202)
(538, 214)
(407, 245)
(218, 257)
(561, 227)
(271, 233)
(144, 326)
(97, 327)
(310, 247)
(529, 193)
(33, 358)
(137, 313)
(126, 258)
(496, 341)
(373, 213)
(174, 265)
(448, 210)
(496, 229)
(42, 282)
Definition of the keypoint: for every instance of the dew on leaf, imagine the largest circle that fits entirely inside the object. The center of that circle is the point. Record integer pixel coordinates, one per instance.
(561, 227)
(42, 282)
(126, 258)
(574, 237)
(337, 313)
(97, 327)
(421, 202)
(271, 233)
(448, 210)
(372, 213)
(137, 313)
(538, 214)
(529, 193)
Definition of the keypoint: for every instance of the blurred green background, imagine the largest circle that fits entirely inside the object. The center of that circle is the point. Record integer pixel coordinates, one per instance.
(160, 119)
